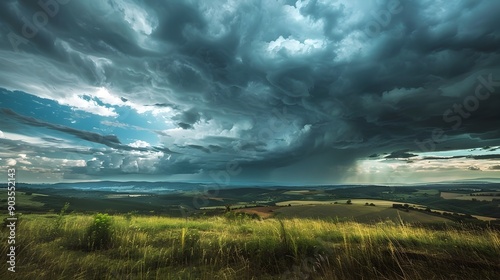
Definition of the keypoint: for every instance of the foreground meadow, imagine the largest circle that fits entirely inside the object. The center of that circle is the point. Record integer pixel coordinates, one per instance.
(238, 246)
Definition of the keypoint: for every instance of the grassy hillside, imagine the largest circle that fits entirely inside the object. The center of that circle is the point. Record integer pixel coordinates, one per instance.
(234, 246)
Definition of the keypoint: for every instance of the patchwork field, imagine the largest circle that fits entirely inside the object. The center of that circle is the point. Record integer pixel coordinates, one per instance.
(467, 196)
(357, 201)
(358, 213)
(263, 212)
(179, 203)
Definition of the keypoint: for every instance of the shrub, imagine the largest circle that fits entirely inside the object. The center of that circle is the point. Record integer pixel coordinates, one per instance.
(240, 216)
(129, 215)
(99, 233)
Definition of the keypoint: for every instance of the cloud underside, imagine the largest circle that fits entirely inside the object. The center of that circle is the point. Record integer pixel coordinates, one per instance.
(299, 91)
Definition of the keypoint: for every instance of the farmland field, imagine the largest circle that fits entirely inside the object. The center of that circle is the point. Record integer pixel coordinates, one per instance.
(357, 201)
(466, 196)
(358, 213)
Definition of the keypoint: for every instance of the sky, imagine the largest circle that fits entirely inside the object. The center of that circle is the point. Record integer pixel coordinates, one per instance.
(244, 92)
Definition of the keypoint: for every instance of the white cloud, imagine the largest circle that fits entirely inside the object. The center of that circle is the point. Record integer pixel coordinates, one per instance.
(140, 162)
(25, 138)
(349, 47)
(107, 98)
(90, 106)
(40, 142)
(138, 19)
(293, 46)
(140, 144)
(398, 94)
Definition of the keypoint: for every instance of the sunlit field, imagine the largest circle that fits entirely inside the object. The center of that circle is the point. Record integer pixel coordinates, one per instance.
(239, 246)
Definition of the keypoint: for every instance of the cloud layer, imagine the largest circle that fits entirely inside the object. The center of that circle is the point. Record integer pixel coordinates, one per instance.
(292, 91)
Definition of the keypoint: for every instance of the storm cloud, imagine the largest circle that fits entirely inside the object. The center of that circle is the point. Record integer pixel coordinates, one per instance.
(293, 91)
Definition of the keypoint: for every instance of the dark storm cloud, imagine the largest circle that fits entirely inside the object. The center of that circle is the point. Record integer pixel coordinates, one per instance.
(201, 148)
(490, 156)
(163, 105)
(288, 86)
(400, 154)
(187, 119)
(53, 140)
(108, 140)
(494, 156)
(17, 147)
(474, 168)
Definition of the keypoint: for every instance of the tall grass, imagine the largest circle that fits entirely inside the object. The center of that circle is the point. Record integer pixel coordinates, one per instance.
(220, 248)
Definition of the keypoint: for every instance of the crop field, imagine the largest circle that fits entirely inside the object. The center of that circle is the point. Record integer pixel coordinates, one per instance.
(359, 213)
(466, 196)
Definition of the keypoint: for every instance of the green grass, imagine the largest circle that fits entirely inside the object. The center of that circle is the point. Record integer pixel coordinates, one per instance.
(24, 200)
(429, 192)
(154, 247)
